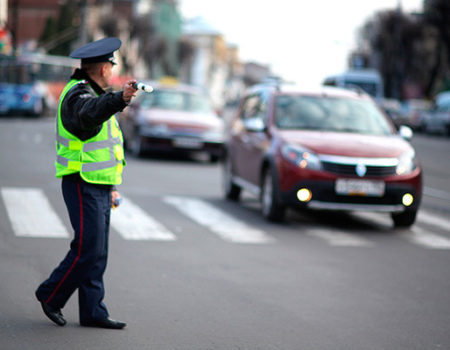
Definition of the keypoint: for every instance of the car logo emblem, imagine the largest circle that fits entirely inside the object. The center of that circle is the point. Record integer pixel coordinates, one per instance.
(361, 170)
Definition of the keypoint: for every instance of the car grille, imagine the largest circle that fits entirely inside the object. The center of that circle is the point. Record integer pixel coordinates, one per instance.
(350, 169)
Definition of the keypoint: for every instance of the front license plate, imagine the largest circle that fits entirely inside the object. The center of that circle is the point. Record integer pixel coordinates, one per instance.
(355, 187)
(187, 143)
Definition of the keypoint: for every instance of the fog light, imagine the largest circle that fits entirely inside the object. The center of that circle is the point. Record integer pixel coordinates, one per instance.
(304, 195)
(407, 199)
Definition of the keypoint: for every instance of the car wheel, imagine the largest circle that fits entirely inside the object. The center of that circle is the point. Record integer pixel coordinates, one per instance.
(271, 206)
(405, 219)
(230, 189)
(137, 146)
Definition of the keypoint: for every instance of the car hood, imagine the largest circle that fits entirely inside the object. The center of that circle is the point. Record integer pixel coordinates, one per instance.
(348, 144)
(183, 119)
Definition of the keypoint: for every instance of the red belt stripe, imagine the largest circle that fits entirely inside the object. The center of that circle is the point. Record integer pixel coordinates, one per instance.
(80, 199)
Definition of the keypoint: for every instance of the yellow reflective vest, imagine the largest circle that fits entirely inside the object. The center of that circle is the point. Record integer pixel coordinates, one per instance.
(98, 160)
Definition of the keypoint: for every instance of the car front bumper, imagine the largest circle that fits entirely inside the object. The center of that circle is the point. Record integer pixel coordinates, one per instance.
(324, 196)
(181, 144)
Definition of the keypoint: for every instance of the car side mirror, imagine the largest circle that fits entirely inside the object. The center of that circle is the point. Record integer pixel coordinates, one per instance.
(254, 125)
(405, 132)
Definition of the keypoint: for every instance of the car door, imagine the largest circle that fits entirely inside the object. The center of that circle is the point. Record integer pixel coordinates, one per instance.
(251, 140)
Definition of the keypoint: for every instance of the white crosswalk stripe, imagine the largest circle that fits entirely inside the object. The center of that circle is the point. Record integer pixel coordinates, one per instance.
(434, 220)
(31, 214)
(426, 239)
(339, 238)
(219, 222)
(133, 223)
(417, 235)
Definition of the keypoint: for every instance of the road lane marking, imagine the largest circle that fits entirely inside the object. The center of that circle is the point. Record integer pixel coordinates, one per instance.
(415, 234)
(425, 239)
(133, 223)
(431, 192)
(432, 219)
(339, 238)
(31, 214)
(219, 222)
(423, 218)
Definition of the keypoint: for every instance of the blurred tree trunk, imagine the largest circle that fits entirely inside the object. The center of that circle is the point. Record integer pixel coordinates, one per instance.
(58, 34)
(437, 15)
(407, 49)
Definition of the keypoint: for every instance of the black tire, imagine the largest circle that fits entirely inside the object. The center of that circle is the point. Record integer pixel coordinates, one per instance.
(271, 206)
(404, 219)
(230, 189)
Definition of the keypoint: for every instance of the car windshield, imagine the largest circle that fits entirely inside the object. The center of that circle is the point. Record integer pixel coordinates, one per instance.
(176, 100)
(330, 114)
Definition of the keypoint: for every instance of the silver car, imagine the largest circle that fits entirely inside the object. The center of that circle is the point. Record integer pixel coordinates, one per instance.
(438, 121)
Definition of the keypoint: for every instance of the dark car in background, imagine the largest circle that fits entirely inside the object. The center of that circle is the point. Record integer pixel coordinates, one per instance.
(437, 121)
(328, 148)
(173, 118)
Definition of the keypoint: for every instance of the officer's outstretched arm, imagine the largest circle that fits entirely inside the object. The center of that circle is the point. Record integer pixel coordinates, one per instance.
(129, 91)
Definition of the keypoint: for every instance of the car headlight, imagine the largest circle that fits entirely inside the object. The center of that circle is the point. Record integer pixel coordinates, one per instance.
(406, 163)
(301, 156)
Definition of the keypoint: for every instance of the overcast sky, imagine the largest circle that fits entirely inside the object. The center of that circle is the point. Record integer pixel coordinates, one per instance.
(302, 41)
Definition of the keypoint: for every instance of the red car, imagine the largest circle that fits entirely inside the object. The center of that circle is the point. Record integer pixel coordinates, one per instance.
(328, 148)
(172, 118)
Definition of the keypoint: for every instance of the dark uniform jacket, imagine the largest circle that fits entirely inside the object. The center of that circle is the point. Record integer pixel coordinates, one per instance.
(82, 112)
(86, 107)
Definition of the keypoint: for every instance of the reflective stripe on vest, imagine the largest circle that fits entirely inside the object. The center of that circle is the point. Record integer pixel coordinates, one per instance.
(90, 171)
(66, 162)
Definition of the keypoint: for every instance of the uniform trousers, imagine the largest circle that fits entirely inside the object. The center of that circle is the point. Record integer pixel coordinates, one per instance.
(89, 208)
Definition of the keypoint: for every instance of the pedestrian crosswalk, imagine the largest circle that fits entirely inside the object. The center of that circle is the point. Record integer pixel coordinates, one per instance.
(427, 239)
(31, 214)
(133, 223)
(339, 238)
(219, 222)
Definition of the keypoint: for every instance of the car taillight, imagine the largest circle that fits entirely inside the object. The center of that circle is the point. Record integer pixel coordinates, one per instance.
(26, 98)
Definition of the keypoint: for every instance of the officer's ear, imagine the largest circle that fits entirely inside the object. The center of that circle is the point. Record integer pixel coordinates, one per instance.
(103, 69)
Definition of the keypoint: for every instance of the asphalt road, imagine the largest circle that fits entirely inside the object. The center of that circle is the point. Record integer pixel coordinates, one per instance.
(215, 275)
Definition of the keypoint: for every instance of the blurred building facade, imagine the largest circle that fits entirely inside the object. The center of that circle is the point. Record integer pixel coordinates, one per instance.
(26, 19)
(214, 64)
(156, 42)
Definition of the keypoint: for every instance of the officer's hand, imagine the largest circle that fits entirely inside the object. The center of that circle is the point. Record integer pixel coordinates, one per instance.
(129, 91)
(115, 199)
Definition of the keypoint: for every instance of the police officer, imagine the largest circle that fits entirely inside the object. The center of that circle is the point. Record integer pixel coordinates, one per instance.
(90, 160)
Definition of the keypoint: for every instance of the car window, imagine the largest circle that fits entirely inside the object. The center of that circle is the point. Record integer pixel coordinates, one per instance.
(176, 100)
(198, 103)
(164, 100)
(254, 107)
(329, 114)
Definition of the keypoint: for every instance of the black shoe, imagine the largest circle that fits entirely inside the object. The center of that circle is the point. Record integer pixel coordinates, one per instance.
(54, 314)
(104, 323)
